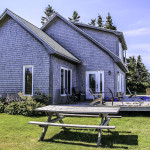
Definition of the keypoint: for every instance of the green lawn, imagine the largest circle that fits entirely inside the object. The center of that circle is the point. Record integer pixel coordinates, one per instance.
(131, 133)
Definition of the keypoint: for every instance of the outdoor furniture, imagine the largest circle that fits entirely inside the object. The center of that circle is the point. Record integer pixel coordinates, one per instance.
(97, 97)
(79, 94)
(120, 95)
(62, 111)
(131, 95)
(70, 98)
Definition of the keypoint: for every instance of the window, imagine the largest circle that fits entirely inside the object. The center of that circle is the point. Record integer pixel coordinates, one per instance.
(120, 83)
(28, 80)
(66, 80)
(120, 51)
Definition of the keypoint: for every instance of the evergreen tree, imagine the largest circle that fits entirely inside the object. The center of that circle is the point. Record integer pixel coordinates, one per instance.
(48, 12)
(93, 22)
(138, 76)
(109, 23)
(75, 17)
(99, 21)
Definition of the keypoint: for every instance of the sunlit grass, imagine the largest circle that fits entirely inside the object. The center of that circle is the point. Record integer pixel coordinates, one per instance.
(130, 133)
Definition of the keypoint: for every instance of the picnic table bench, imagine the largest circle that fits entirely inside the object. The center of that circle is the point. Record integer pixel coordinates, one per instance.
(76, 111)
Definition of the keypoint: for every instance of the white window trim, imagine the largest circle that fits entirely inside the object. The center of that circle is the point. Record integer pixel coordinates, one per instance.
(120, 85)
(67, 81)
(27, 66)
(120, 51)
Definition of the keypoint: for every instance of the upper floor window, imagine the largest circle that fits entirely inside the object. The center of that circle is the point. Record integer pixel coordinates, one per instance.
(28, 80)
(66, 81)
(120, 51)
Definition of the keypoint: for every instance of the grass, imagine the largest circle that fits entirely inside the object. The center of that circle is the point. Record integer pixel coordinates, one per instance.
(131, 133)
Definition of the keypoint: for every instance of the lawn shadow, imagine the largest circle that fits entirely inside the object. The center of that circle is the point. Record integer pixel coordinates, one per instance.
(89, 139)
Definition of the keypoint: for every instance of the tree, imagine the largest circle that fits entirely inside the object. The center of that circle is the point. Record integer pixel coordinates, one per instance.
(48, 12)
(138, 76)
(75, 17)
(99, 21)
(93, 22)
(109, 23)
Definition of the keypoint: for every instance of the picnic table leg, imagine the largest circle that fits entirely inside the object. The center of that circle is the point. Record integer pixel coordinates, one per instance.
(45, 128)
(100, 132)
(61, 121)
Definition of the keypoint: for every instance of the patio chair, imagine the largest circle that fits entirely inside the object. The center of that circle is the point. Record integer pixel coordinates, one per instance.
(131, 94)
(96, 98)
(79, 94)
(70, 98)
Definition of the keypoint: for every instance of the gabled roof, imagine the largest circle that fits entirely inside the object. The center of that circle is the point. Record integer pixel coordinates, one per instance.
(52, 46)
(106, 50)
(118, 33)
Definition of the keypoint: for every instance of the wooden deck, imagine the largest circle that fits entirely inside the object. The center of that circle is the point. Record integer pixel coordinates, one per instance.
(124, 106)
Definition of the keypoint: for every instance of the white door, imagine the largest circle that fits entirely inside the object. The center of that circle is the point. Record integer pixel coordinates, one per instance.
(94, 81)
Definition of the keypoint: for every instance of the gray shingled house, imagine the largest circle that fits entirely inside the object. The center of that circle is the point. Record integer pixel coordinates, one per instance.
(60, 55)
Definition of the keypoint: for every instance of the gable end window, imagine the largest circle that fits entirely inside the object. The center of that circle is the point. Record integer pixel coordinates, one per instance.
(28, 80)
(66, 81)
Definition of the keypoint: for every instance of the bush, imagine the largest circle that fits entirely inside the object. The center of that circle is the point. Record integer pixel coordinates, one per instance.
(12, 108)
(2, 107)
(3, 104)
(41, 97)
(25, 107)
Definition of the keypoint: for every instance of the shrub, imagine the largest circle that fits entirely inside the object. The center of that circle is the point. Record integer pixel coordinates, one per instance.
(3, 104)
(25, 107)
(2, 107)
(12, 108)
(41, 97)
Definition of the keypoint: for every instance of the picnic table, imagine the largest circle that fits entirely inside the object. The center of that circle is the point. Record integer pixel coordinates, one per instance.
(61, 112)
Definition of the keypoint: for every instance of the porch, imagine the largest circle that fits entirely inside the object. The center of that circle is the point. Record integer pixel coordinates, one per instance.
(128, 104)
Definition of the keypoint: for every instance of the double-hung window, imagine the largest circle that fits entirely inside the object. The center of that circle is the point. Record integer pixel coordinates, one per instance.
(28, 80)
(120, 83)
(66, 81)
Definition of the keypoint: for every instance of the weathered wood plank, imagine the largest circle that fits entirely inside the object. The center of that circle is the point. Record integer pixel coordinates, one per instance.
(86, 115)
(72, 125)
(78, 109)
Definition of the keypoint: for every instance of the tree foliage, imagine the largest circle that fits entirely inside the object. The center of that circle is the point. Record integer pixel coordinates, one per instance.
(75, 17)
(93, 22)
(99, 21)
(48, 13)
(138, 76)
(109, 23)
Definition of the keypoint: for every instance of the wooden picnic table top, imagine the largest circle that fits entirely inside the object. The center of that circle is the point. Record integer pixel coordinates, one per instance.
(79, 109)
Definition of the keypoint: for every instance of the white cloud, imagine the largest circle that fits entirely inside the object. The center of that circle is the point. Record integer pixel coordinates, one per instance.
(141, 31)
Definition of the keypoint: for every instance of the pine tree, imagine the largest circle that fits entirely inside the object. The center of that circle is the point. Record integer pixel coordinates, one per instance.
(93, 22)
(99, 21)
(75, 17)
(138, 76)
(109, 23)
(48, 12)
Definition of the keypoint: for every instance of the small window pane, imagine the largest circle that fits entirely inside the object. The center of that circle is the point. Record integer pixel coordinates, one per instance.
(101, 86)
(92, 82)
(28, 80)
(66, 80)
(62, 81)
(69, 78)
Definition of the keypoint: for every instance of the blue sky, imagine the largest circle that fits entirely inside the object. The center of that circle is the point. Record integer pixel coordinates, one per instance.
(132, 17)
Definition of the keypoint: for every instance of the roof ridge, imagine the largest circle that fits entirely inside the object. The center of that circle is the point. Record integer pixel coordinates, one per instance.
(42, 36)
(112, 55)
